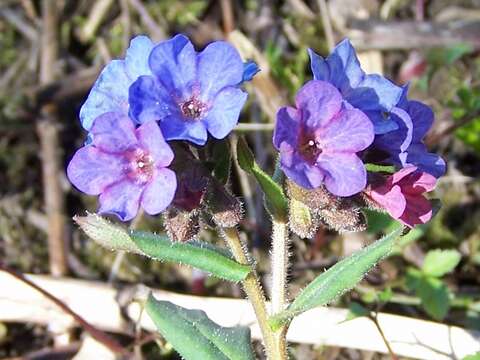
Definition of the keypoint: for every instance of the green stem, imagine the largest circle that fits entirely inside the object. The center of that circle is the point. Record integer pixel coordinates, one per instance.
(278, 296)
(254, 292)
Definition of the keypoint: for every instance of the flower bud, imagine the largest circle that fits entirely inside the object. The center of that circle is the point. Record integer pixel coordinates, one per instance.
(226, 210)
(346, 217)
(315, 199)
(181, 225)
(301, 220)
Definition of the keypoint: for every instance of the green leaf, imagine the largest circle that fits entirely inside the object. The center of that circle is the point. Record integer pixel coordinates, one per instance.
(435, 297)
(200, 255)
(216, 261)
(432, 292)
(378, 221)
(275, 200)
(340, 278)
(221, 155)
(356, 310)
(440, 262)
(194, 336)
(380, 168)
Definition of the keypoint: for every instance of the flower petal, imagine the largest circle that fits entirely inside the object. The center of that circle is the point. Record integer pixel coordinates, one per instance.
(219, 66)
(398, 140)
(297, 170)
(175, 127)
(381, 125)
(110, 91)
(349, 131)
(341, 68)
(92, 170)
(390, 198)
(374, 92)
(159, 192)
(223, 116)
(319, 102)
(113, 132)
(136, 59)
(150, 136)
(345, 174)
(150, 100)
(418, 211)
(250, 69)
(419, 183)
(426, 161)
(287, 127)
(121, 199)
(319, 66)
(174, 64)
(108, 94)
(422, 118)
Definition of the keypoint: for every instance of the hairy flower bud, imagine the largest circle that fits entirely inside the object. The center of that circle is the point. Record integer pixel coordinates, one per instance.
(226, 210)
(181, 225)
(346, 217)
(301, 220)
(315, 199)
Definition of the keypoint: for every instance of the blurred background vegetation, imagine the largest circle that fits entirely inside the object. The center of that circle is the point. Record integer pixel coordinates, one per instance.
(52, 51)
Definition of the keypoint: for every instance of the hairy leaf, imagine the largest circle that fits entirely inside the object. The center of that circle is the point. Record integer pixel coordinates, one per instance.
(195, 336)
(341, 277)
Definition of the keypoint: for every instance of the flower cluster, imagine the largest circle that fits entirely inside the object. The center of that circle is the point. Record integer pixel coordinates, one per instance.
(342, 120)
(345, 118)
(158, 93)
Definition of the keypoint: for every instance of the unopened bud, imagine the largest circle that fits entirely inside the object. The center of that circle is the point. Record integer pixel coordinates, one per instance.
(346, 217)
(315, 199)
(226, 210)
(181, 225)
(105, 233)
(301, 220)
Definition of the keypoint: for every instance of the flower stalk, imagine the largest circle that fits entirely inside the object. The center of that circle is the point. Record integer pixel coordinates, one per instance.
(279, 280)
(255, 294)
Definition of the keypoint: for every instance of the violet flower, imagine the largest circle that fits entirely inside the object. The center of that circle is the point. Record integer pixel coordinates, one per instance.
(110, 91)
(127, 167)
(318, 140)
(405, 146)
(402, 195)
(372, 93)
(190, 93)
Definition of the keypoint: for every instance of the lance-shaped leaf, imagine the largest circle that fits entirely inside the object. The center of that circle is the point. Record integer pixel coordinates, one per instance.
(194, 336)
(275, 200)
(341, 277)
(206, 257)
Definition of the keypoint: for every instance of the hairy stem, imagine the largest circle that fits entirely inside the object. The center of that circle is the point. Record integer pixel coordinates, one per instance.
(279, 266)
(254, 292)
(279, 279)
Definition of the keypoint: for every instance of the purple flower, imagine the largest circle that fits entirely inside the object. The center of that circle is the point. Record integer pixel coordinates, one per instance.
(110, 91)
(318, 140)
(190, 93)
(401, 195)
(127, 167)
(405, 146)
(373, 94)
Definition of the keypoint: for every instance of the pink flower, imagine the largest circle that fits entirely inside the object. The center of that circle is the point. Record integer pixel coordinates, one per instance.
(402, 195)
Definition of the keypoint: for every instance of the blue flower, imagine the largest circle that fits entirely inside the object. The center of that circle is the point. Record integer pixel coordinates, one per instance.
(319, 140)
(110, 91)
(126, 166)
(191, 94)
(405, 146)
(373, 94)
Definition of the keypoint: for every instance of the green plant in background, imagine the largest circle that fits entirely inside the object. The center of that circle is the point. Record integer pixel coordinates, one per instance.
(427, 284)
